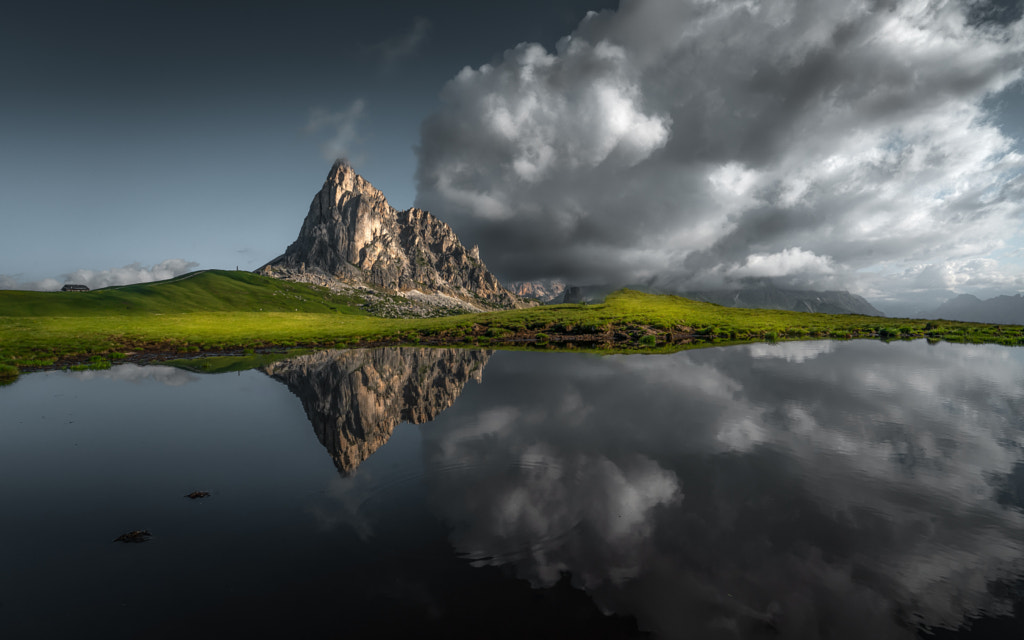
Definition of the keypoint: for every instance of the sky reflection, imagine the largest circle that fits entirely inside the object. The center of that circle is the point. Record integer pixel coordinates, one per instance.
(798, 490)
(762, 490)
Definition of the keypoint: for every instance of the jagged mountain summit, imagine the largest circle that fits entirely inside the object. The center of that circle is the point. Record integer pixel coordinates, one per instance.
(353, 237)
(540, 290)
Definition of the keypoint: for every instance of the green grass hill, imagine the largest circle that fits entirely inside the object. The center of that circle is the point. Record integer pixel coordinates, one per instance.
(197, 291)
(235, 313)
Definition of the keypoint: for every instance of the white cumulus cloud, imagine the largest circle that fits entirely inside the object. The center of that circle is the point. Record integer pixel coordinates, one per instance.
(784, 263)
(17, 282)
(841, 143)
(95, 279)
(130, 274)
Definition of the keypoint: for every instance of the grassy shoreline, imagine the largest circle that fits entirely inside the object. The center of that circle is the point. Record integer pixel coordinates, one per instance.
(217, 313)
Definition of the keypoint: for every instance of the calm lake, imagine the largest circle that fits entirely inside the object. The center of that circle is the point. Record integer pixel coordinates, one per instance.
(797, 490)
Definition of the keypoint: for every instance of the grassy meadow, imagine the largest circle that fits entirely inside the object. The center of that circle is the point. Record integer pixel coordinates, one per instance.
(241, 313)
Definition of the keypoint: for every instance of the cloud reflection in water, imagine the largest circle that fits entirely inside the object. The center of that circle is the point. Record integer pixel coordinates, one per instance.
(801, 490)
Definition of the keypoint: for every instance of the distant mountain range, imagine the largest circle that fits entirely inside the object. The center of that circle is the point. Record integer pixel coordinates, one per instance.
(759, 296)
(540, 290)
(968, 308)
(352, 237)
(767, 296)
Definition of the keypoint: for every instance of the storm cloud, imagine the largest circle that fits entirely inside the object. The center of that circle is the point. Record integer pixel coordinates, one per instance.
(699, 144)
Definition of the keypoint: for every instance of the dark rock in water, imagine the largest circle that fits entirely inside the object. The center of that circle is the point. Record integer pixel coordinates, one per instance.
(139, 535)
(198, 494)
(352, 235)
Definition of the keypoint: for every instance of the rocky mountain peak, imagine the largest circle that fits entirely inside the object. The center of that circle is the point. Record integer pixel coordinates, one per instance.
(345, 180)
(352, 236)
(547, 290)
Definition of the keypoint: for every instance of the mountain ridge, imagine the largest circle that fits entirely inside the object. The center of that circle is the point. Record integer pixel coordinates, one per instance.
(768, 296)
(541, 290)
(758, 296)
(968, 308)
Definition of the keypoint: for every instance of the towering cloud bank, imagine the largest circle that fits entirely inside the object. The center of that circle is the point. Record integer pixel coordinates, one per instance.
(818, 144)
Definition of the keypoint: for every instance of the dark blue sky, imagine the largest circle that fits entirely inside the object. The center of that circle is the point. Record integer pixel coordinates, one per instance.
(140, 132)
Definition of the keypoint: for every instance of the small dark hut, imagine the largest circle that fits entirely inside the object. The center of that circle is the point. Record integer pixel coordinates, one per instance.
(74, 287)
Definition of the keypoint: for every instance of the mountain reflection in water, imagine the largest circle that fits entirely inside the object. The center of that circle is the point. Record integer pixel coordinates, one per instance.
(355, 399)
(799, 490)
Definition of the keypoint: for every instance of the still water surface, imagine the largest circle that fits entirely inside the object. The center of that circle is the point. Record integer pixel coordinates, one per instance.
(798, 490)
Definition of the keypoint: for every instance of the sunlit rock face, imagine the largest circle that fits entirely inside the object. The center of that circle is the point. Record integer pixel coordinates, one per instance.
(352, 235)
(355, 398)
(543, 290)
